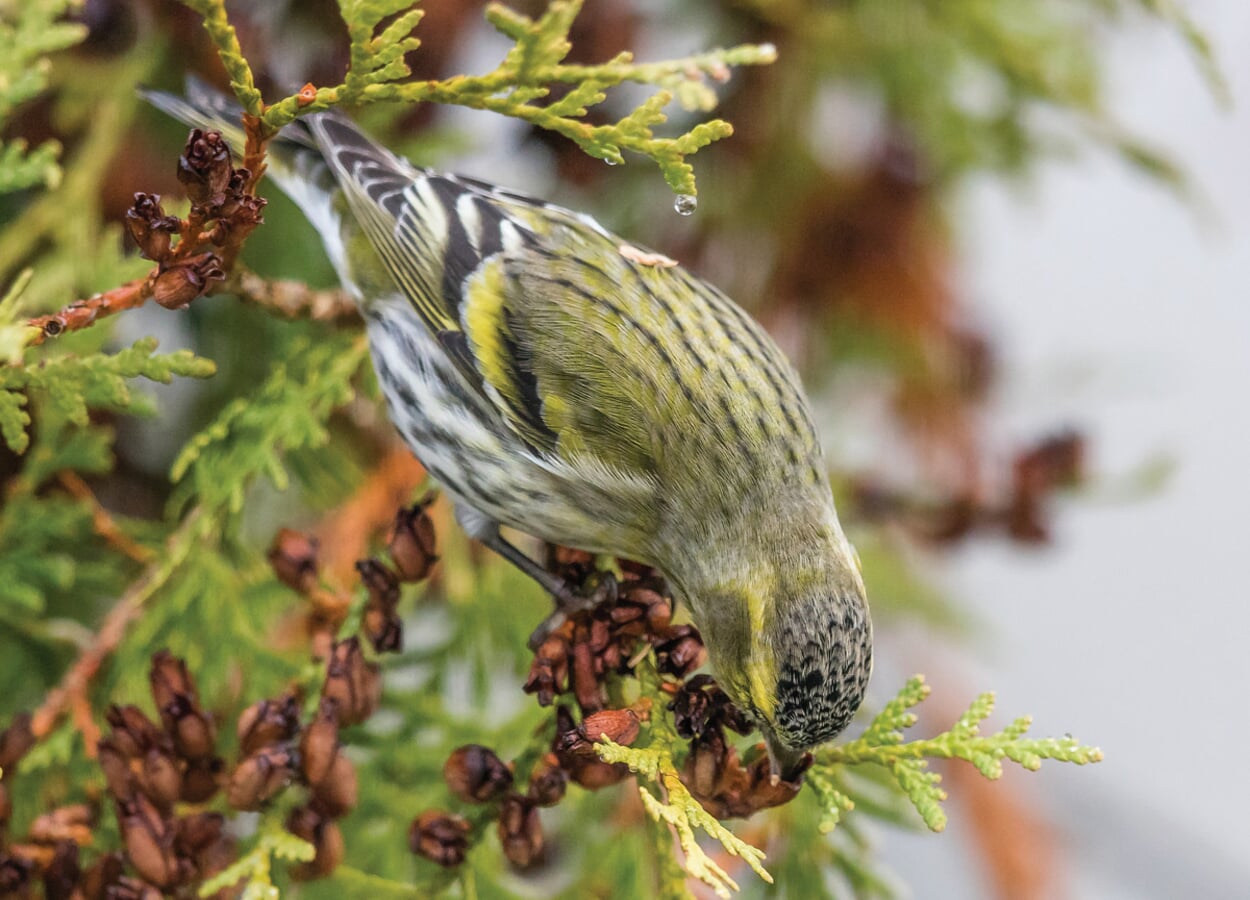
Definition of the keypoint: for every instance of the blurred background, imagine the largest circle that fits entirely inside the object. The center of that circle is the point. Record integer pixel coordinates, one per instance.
(1123, 310)
(1008, 245)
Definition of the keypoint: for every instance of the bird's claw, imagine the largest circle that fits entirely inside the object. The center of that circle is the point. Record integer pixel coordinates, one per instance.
(599, 589)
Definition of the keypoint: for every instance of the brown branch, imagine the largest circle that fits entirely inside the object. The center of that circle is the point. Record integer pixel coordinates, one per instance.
(104, 524)
(254, 151)
(292, 299)
(189, 268)
(85, 313)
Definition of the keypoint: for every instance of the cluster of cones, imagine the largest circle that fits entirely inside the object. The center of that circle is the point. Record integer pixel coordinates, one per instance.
(223, 212)
(160, 775)
(578, 659)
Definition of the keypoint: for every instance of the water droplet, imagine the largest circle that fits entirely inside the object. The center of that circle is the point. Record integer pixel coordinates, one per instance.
(685, 204)
(611, 162)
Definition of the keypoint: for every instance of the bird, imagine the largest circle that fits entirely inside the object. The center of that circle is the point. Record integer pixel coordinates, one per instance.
(559, 380)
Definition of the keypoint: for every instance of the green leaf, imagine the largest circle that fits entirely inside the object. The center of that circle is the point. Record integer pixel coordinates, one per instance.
(882, 743)
(527, 73)
(29, 31)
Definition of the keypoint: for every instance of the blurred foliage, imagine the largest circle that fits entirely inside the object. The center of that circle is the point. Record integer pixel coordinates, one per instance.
(29, 32)
(825, 214)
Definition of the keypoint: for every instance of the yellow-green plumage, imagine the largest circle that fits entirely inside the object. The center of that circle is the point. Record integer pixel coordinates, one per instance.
(560, 381)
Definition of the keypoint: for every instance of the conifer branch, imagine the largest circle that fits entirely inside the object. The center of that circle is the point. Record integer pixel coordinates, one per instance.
(527, 74)
(882, 743)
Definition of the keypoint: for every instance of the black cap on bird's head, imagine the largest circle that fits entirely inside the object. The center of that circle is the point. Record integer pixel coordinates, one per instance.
(823, 662)
(823, 670)
(798, 664)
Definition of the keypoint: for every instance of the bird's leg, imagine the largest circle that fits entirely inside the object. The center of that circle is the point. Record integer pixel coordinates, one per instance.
(597, 590)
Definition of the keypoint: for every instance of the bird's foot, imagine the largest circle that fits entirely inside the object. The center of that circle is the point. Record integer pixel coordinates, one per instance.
(599, 588)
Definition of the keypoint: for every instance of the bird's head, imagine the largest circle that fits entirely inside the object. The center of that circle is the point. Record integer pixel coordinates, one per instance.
(793, 648)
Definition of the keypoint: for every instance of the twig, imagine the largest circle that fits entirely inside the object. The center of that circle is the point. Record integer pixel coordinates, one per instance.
(254, 151)
(84, 313)
(199, 268)
(71, 694)
(292, 299)
(104, 524)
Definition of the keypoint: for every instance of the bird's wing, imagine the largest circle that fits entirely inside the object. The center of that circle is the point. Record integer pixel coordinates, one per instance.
(589, 349)
(598, 349)
(444, 240)
(553, 343)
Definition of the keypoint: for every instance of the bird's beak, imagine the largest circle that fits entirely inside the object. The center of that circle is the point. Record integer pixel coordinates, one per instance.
(788, 764)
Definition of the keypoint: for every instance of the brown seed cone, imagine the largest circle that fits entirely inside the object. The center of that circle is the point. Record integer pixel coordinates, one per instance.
(380, 622)
(700, 705)
(160, 777)
(201, 779)
(583, 679)
(584, 768)
(186, 280)
(324, 834)
(133, 732)
(268, 722)
(150, 228)
(204, 168)
(15, 740)
(476, 775)
(293, 558)
(60, 878)
(383, 628)
(412, 544)
(246, 211)
(351, 681)
(440, 837)
(103, 874)
(520, 831)
(336, 794)
(549, 672)
(680, 651)
(116, 767)
(766, 790)
(618, 725)
(708, 765)
(178, 703)
(148, 839)
(201, 838)
(259, 777)
(15, 876)
(319, 744)
(726, 788)
(548, 781)
(380, 581)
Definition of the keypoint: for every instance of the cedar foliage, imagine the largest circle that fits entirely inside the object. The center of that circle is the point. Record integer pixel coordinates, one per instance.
(162, 549)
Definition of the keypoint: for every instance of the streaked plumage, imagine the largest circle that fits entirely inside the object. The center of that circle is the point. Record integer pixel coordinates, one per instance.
(557, 380)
